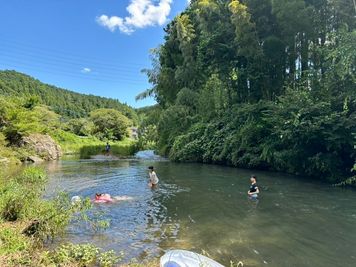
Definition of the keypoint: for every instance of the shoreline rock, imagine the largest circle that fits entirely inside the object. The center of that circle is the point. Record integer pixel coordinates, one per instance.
(43, 145)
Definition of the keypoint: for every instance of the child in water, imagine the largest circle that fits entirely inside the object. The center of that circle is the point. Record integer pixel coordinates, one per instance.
(254, 191)
(153, 177)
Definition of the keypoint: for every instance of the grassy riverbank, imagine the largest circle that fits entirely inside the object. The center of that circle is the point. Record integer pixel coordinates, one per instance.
(87, 146)
(28, 223)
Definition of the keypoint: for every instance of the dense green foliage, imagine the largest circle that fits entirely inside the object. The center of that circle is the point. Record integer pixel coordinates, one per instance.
(64, 102)
(147, 131)
(266, 84)
(17, 120)
(23, 112)
(109, 124)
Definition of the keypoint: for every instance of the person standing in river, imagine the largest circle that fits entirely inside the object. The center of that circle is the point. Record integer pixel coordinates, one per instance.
(254, 191)
(153, 177)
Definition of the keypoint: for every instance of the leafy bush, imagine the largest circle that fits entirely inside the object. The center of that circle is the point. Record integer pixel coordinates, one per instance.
(12, 241)
(23, 122)
(21, 199)
(298, 134)
(81, 255)
(109, 124)
(80, 127)
(33, 177)
(15, 200)
(173, 122)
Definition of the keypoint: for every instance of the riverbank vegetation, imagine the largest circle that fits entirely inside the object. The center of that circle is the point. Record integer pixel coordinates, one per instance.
(28, 106)
(259, 84)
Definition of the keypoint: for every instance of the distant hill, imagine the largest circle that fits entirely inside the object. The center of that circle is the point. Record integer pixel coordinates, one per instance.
(64, 102)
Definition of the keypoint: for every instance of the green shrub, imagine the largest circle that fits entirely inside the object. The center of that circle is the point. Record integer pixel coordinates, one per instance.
(81, 255)
(80, 127)
(32, 176)
(15, 199)
(12, 241)
(109, 124)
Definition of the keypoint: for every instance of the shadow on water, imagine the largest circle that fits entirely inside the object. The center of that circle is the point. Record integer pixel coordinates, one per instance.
(202, 207)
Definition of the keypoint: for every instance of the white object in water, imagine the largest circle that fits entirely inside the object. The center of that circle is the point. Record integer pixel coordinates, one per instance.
(75, 199)
(184, 258)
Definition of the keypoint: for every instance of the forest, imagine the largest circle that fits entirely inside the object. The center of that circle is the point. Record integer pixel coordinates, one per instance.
(80, 124)
(64, 102)
(262, 84)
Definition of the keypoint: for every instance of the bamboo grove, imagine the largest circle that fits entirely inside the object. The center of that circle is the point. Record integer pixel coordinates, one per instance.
(267, 84)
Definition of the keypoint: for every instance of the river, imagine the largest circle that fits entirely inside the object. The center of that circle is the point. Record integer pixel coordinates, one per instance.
(204, 208)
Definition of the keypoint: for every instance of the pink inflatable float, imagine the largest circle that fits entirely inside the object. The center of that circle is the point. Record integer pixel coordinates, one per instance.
(103, 198)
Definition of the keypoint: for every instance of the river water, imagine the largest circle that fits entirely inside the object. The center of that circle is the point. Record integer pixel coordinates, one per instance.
(204, 208)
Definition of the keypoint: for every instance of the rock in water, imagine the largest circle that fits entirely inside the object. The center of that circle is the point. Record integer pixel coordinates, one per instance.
(43, 145)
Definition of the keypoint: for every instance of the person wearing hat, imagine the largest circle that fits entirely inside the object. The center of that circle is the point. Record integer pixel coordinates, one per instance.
(153, 177)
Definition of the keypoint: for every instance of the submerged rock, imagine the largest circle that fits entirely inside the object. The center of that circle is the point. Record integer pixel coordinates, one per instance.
(44, 146)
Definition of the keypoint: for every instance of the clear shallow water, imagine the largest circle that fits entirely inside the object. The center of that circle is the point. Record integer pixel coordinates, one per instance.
(205, 208)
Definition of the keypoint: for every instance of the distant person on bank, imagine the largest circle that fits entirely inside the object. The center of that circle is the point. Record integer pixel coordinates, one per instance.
(153, 177)
(107, 148)
(254, 191)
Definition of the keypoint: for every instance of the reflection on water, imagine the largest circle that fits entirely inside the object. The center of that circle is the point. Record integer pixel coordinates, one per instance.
(201, 207)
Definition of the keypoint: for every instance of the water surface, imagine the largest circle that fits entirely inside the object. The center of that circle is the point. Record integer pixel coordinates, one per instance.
(198, 207)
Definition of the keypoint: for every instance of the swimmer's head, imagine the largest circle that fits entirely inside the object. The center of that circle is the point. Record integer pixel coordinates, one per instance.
(253, 179)
(151, 168)
(97, 195)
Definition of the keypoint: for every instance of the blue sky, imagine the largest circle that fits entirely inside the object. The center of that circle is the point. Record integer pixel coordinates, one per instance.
(90, 46)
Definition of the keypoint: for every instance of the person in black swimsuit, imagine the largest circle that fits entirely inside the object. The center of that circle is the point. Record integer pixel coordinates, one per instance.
(254, 191)
(107, 148)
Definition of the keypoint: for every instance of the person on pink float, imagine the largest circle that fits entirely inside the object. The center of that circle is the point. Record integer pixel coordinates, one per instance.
(106, 198)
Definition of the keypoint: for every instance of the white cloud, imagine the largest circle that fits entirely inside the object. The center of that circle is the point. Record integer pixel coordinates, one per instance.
(86, 70)
(143, 13)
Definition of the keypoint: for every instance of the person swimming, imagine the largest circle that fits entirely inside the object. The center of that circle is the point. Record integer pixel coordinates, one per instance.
(100, 198)
(107, 198)
(254, 191)
(153, 177)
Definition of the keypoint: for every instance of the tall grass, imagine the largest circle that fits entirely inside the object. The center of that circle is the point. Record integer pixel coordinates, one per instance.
(123, 149)
(71, 143)
(90, 146)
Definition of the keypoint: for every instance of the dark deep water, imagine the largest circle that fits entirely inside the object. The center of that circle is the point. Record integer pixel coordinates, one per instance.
(199, 207)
